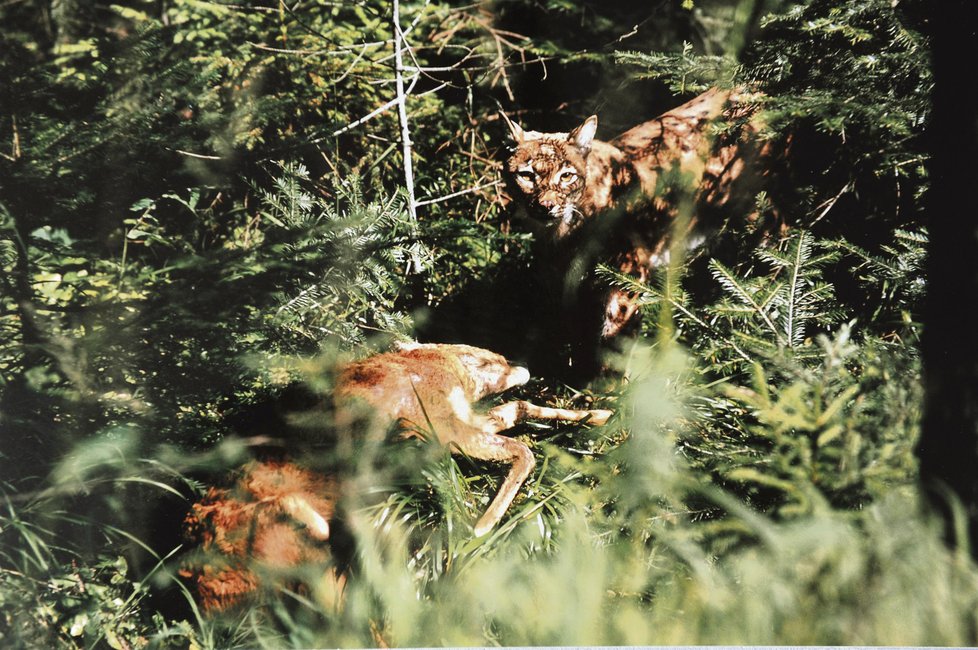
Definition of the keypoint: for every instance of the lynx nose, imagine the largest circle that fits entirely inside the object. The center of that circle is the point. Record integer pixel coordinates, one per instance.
(548, 198)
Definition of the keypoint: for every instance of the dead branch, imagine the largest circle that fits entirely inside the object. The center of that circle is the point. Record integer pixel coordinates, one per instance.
(453, 195)
(402, 110)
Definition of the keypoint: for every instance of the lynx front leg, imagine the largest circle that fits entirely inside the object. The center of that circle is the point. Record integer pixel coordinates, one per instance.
(509, 414)
(488, 445)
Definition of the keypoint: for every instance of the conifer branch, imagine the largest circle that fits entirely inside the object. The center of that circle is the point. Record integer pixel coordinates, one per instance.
(649, 294)
(729, 281)
(802, 248)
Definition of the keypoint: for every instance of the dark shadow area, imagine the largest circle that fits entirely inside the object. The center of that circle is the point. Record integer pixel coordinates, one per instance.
(545, 312)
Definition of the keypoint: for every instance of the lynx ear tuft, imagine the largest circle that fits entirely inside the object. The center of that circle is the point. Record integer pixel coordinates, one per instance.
(583, 135)
(514, 129)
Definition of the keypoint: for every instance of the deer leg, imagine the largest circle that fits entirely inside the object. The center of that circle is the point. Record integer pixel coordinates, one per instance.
(300, 510)
(509, 414)
(488, 445)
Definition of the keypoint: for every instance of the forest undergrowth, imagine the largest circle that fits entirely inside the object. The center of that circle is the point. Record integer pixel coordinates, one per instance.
(203, 209)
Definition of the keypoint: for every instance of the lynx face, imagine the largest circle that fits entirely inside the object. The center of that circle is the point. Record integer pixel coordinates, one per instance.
(550, 170)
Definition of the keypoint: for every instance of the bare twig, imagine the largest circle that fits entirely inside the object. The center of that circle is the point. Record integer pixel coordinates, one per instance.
(402, 111)
(383, 108)
(15, 149)
(414, 23)
(467, 190)
(830, 203)
(194, 155)
(372, 114)
(359, 48)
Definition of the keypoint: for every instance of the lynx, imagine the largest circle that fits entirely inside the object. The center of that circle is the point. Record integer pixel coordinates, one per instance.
(276, 516)
(622, 191)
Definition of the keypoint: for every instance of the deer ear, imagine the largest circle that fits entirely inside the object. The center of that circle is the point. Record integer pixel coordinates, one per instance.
(514, 129)
(583, 135)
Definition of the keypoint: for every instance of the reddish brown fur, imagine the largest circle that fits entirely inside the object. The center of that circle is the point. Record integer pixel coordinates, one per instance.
(627, 174)
(269, 520)
(432, 388)
(246, 531)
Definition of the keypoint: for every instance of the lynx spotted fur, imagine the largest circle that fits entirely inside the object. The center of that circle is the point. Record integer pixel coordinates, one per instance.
(624, 192)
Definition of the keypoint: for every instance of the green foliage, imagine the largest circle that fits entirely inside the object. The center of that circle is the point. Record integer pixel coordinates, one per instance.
(201, 206)
(843, 430)
(894, 275)
(302, 273)
(685, 72)
(361, 253)
(802, 406)
(52, 597)
(853, 80)
(76, 607)
(785, 303)
(758, 316)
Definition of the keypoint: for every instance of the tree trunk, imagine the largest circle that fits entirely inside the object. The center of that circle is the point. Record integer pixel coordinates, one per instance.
(948, 448)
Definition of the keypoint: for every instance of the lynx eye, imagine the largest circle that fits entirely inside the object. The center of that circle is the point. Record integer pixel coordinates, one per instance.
(567, 176)
(526, 175)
